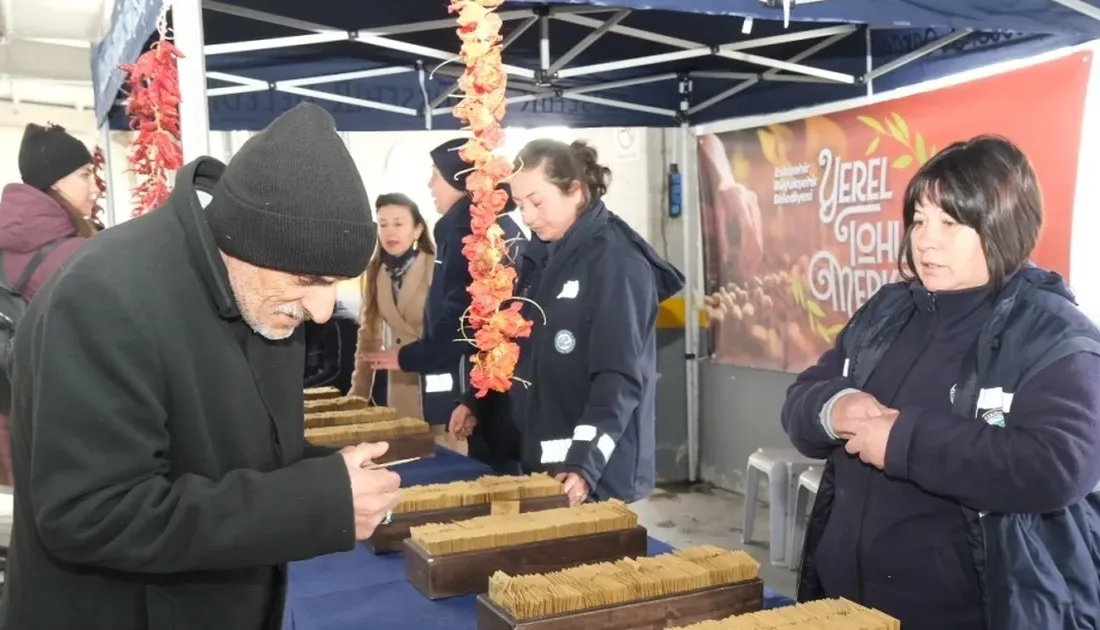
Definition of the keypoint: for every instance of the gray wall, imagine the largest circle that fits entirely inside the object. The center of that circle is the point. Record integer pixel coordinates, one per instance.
(672, 449)
(738, 413)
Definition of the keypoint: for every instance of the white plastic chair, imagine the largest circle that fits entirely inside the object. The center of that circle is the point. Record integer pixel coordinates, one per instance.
(804, 492)
(781, 466)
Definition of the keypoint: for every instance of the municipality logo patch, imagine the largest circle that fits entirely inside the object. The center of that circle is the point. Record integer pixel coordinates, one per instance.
(564, 342)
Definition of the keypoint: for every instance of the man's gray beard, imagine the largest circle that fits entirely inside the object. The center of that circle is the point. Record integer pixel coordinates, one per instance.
(266, 332)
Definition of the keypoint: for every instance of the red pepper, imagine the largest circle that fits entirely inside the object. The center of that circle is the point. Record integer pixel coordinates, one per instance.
(153, 99)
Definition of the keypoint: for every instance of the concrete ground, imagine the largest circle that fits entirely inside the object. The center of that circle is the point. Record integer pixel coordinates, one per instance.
(703, 515)
(678, 515)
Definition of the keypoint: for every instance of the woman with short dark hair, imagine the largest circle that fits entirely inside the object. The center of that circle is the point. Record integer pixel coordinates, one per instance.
(959, 415)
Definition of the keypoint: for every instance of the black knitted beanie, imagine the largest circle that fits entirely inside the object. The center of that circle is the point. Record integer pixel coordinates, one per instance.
(292, 199)
(48, 154)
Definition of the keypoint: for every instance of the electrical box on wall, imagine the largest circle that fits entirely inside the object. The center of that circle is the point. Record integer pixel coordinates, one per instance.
(675, 192)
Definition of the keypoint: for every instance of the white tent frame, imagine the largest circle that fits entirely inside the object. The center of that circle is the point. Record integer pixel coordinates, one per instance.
(536, 83)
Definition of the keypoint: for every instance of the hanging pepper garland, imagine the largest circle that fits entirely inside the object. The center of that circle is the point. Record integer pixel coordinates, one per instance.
(153, 107)
(98, 164)
(482, 107)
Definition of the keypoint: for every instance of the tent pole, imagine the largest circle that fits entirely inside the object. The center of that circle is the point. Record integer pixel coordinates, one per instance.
(194, 115)
(544, 42)
(766, 76)
(421, 78)
(870, 67)
(689, 200)
(108, 171)
(1081, 7)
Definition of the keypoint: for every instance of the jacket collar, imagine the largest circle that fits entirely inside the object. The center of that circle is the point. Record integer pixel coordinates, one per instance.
(201, 175)
(452, 217)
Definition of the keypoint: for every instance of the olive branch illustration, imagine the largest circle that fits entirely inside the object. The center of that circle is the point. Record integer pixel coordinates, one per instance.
(894, 126)
(814, 311)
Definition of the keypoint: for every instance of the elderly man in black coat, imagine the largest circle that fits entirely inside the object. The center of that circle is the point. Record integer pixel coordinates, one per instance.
(161, 475)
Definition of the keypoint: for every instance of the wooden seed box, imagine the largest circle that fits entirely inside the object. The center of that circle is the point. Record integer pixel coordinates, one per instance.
(420, 445)
(390, 538)
(652, 614)
(468, 573)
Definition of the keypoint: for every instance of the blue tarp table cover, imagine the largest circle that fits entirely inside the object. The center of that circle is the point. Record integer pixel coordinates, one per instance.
(357, 589)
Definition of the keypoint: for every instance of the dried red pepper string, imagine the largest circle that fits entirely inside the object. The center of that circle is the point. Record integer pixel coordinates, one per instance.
(482, 108)
(153, 107)
(98, 166)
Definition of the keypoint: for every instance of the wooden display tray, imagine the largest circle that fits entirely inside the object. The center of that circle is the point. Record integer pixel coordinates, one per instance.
(468, 573)
(320, 393)
(652, 614)
(390, 538)
(420, 445)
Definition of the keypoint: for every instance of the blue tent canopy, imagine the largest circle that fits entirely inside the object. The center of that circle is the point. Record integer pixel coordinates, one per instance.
(578, 63)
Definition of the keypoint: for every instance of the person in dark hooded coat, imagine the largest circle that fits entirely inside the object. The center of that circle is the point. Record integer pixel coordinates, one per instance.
(162, 476)
(43, 221)
(440, 356)
(588, 414)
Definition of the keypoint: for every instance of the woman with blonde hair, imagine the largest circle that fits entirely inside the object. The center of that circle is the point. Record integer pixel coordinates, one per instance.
(395, 288)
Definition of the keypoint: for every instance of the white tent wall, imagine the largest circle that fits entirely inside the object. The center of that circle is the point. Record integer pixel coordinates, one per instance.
(739, 407)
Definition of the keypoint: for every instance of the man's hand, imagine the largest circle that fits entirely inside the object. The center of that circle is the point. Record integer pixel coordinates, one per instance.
(870, 439)
(373, 492)
(462, 423)
(852, 409)
(575, 487)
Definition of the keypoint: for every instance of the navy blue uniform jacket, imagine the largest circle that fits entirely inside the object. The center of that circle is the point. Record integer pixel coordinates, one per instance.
(592, 365)
(441, 357)
(1016, 448)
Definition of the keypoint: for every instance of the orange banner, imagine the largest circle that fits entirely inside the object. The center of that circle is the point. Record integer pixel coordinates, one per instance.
(802, 220)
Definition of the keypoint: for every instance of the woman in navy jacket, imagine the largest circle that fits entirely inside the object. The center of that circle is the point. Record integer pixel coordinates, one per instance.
(588, 415)
(440, 356)
(960, 418)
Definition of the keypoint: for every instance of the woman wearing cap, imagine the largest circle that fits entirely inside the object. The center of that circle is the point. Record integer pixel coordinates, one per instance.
(440, 356)
(43, 221)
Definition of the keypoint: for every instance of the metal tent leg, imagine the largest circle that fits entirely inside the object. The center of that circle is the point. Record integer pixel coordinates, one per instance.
(688, 183)
(194, 112)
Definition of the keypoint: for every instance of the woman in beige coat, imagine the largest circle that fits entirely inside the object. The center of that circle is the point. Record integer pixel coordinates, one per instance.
(395, 287)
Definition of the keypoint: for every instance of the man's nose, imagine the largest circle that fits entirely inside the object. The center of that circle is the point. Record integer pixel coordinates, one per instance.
(320, 302)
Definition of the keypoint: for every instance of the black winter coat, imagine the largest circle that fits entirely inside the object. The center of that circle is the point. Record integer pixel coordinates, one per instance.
(162, 478)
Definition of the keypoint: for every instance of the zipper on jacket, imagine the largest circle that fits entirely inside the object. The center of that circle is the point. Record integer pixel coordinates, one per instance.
(867, 490)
